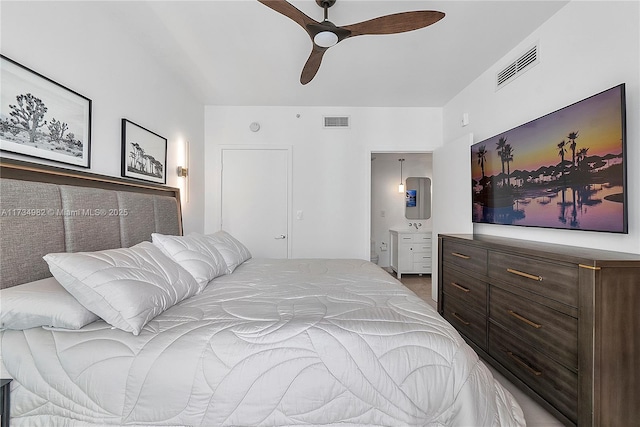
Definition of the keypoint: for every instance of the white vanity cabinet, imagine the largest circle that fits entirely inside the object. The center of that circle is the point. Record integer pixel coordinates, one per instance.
(410, 252)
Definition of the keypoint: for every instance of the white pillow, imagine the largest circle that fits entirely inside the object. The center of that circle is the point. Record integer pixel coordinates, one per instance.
(41, 303)
(194, 253)
(234, 252)
(126, 287)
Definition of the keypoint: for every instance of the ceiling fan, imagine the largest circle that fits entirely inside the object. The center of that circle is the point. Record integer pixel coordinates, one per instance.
(325, 34)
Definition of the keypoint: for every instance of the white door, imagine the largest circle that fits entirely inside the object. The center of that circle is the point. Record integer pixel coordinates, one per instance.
(255, 199)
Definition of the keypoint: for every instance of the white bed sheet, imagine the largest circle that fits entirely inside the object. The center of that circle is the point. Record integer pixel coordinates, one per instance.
(278, 342)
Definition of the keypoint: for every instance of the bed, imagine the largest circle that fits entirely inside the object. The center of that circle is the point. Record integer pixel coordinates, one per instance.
(266, 342)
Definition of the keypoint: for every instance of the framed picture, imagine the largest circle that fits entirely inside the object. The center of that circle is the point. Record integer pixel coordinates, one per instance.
(144, 153)
(41, 118)
(411, 198)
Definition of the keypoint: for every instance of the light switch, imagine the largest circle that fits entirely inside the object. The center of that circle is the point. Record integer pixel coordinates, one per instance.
(382, 213)
(299, 214)
(465, 119)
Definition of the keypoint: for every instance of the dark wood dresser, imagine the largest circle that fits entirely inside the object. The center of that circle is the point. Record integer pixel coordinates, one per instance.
(560, 322)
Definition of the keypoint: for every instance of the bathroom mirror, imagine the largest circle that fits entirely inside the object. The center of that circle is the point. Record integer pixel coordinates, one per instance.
(418, 198)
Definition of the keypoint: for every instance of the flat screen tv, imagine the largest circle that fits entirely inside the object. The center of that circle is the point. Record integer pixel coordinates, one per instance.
(564, 170)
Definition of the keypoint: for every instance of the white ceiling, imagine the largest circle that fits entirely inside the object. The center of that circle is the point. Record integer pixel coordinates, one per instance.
(243, 53)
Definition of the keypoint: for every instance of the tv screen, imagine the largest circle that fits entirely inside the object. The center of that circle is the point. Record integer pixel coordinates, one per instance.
(565, 170)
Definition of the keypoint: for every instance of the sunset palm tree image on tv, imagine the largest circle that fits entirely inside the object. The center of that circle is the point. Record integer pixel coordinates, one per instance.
(565, 170)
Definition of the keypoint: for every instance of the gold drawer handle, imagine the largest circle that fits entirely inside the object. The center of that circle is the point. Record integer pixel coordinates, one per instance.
(527, 275)
(462, 288)
(454, 314)
(524, 364)
(460, 255)
(524, 319)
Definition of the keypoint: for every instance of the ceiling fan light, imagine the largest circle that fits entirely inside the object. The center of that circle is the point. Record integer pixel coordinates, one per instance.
(325, 39)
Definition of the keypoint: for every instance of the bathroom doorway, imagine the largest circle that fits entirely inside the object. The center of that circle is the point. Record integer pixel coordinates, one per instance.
(387, 202)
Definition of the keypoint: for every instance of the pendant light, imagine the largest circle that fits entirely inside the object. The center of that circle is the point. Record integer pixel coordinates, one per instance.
(401, 186)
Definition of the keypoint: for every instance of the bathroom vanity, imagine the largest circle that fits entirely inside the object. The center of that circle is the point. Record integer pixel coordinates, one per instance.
(410, 252)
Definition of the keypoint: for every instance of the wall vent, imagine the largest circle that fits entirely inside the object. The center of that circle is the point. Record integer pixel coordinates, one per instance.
(336, 122)
(525, 62)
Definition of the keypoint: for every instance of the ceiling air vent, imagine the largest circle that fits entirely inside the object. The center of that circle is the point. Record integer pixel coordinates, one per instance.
(336, 122)
(517, 67)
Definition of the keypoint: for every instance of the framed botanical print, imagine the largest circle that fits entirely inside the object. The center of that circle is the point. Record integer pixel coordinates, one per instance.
(144, 153)
(41, 118)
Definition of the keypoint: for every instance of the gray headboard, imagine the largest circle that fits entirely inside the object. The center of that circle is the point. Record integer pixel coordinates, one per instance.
(46, 209)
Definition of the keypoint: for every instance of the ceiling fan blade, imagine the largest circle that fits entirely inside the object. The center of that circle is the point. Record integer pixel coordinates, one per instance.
(395, 23)
(313, 64)
(290, 11)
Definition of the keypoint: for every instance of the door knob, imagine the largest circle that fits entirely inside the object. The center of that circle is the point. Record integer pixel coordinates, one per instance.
(280, 237)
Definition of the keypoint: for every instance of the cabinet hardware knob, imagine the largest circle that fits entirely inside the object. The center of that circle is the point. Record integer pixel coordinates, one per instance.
(462, 288)
(524, 364)
(527, 275)
(454, 314)
(456, 254)
(524, 319)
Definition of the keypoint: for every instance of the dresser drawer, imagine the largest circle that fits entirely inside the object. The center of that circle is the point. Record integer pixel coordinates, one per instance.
(558, 282)
(470, 291)
(468, 257)
(467, 321)
(548, 378)
(551, 332)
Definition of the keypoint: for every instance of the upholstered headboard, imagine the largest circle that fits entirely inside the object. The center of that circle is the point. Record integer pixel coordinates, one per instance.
(46, 209)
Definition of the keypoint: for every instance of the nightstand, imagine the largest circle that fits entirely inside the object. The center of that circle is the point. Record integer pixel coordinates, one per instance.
(4, 402)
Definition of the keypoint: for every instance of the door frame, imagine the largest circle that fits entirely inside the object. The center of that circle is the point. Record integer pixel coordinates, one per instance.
(217, 198)
(369, 217)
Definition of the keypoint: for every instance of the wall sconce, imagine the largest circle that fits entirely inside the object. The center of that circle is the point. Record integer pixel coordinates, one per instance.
(183, 172)
(401, 185)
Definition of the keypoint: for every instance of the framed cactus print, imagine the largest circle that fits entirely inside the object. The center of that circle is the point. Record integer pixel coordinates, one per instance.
(41, 118)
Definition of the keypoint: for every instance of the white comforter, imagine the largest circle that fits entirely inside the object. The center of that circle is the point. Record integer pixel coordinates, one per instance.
(278, 342)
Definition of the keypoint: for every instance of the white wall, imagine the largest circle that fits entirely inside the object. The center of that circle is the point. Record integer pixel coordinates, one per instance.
(331, 167)
(452, 195)
(77, 45)
(387, 204)
(585, 48)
